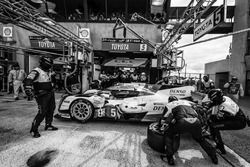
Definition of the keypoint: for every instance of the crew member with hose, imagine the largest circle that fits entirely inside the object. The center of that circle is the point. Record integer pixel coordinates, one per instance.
(38, 84)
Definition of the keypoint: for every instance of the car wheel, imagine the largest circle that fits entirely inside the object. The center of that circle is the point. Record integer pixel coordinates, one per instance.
(155, 138)
(81, 110)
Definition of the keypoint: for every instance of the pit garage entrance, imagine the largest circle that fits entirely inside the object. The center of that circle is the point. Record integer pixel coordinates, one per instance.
(129, 63)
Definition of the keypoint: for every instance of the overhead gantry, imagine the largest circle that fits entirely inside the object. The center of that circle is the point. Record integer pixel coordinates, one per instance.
(166, 50)
(24, 15)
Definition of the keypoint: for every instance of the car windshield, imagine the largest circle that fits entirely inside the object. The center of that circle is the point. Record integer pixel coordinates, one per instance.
(144, 89)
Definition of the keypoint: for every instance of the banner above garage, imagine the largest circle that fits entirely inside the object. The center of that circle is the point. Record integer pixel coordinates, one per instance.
(124, 45)
(119, 62)
(41, 42)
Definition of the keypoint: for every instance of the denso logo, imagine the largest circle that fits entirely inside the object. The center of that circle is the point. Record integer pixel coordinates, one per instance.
(177, 91)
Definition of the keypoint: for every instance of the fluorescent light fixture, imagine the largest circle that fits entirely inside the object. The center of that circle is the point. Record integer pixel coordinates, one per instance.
(158, 2)
(47, 21)
(37, 1)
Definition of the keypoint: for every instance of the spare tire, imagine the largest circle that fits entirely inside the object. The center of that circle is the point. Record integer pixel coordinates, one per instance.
(155, 138)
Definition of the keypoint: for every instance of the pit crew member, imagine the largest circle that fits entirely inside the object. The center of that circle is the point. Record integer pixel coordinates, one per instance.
(225, 115)
(38, 84)
(182, 118)
(234, 89)
(207, 84)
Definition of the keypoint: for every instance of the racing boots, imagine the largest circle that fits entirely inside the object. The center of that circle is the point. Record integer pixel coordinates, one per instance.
(34, 131)
(221, 148)
(50, 127)
(214, 158)
(170, 160)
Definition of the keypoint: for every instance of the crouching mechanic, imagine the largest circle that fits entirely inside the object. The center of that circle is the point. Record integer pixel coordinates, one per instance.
(226, 115)
(39, 82)
(182, 118)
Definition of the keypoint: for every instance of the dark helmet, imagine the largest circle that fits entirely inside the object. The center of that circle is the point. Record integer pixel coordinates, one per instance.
(234, 78)
(216, 96)
(205, 78)
(46, 63)
(165, 79)
(15, 65)
(172, 98)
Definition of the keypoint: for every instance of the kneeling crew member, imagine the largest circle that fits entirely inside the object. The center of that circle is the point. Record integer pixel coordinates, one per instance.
(182, 118)
(40, 79)
(226, 115)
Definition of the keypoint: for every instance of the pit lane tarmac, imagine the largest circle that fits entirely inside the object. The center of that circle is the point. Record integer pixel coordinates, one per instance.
(102, 143)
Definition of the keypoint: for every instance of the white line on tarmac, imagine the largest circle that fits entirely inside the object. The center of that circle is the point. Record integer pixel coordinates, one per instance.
(241, 159)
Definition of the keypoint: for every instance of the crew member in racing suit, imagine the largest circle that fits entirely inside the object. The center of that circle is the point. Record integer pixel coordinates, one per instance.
(38, 84)
(234, 89)
(226, 115)
(182, 118)
(207, 84)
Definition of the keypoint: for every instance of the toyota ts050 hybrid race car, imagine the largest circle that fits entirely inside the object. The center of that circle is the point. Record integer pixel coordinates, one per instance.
(122, 101)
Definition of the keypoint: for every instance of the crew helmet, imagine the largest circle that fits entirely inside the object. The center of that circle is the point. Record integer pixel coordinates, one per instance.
(172, 98)
(216, 96)
(46, 63)
(15, 65)
(234, 78)
(205, 78)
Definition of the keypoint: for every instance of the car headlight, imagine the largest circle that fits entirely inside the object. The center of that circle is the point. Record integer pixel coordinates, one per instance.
(143, 104)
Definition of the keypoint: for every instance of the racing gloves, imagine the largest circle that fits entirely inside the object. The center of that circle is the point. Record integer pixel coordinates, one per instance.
(29, 92)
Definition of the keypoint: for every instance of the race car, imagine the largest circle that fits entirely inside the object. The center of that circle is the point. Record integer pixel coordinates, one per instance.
(141, 102)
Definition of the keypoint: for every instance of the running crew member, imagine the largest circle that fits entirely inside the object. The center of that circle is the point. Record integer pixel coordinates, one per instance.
(182, 118)
(39, 82)
(226, 115)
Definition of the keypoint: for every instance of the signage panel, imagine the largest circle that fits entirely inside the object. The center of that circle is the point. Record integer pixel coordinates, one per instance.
(41, 42)
(209, 23)
(8, 32)
(84, 33)
(130, 45)
(126, 62)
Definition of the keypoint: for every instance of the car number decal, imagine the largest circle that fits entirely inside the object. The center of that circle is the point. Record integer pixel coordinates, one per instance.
(158, 108)
(107, 112)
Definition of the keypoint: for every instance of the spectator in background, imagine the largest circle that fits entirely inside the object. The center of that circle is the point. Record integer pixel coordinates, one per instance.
(164, 81)
(113, 17)
(157, 17)
(58, 81)
(234, 89)
(125, 77)
(152, 16)
(134, 77)
(16, 76)
(114, 78)
(10, 83)
(133, 17)
(104, 79)
(101, 17)
(143, 77)
(92, 17)
(62, 80)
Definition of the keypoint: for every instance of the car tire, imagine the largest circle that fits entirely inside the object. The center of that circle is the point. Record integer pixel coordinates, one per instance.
(155, 138)
(81, 110)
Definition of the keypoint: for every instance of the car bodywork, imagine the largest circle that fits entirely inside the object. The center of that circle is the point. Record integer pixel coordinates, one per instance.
(123, 101)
